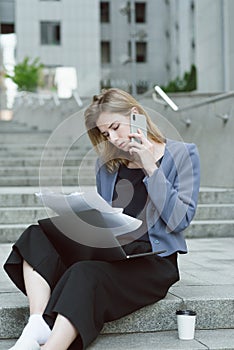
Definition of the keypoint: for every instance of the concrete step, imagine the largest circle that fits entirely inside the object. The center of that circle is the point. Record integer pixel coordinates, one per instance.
(25, 214)
(212, 196)
(38, 153)
(13, 126)
(204, 213)
(49, 170)
(167, 340)
(210, 228)
(213, 312)
(215, 212)
(26, 145)
(83, 180)
(36, 161)
(40, 146)
(24, 150)
(23, 196)
(24, 136)
(10, 232)
(216, 195)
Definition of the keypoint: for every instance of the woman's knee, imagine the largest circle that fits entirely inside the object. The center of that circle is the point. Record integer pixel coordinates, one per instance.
(83, 269)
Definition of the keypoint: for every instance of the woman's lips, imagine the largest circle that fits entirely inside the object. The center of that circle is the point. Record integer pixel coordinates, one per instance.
(122, 144)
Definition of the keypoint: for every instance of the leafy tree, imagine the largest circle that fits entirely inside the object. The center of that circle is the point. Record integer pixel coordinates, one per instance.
(27, 76)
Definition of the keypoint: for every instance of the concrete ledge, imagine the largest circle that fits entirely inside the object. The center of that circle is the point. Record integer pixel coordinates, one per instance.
(210, 228)
(156, 317)
(212, 313)
(13, 314)
(214, 340)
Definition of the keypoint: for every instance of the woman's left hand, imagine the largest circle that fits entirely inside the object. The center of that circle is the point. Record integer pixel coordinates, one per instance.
(143, 152)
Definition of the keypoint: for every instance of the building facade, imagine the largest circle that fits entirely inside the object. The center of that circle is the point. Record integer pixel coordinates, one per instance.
(146, 42)
(128, 44)
(215, 45)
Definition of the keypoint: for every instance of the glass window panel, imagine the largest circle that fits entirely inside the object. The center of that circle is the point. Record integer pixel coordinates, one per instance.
(105, 12)
(105, 52)
(140, 12)
(50, 33)
(141, 51)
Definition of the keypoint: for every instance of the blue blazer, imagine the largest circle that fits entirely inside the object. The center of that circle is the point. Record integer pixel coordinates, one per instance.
(172, 195)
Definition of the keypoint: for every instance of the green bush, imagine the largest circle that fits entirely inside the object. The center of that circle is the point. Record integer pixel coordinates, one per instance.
(185, 84)
(27, 76)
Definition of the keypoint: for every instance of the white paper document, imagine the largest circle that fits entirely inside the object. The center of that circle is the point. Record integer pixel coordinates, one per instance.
(76, 202)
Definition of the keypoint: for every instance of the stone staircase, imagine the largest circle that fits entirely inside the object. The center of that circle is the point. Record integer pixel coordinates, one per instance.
(207, 276)
(26, 164)
(19, 207)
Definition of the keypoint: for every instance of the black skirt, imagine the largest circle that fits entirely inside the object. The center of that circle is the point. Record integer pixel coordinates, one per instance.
(90, 292)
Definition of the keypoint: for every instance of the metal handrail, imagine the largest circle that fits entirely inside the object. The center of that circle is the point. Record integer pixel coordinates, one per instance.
(197, 104)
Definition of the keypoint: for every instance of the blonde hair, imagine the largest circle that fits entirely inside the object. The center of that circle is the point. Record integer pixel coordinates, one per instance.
(114, 101)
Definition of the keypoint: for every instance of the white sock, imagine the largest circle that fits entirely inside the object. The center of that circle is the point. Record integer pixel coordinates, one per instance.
(26, 344)
(36, 329)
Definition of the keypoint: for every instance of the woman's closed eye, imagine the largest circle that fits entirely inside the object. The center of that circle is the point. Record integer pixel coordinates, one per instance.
(113, 127)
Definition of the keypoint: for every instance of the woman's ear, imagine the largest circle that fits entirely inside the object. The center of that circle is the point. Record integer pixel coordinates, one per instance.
(134, 110)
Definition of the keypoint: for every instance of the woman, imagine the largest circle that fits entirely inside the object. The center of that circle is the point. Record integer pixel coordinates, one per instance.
(154, 179)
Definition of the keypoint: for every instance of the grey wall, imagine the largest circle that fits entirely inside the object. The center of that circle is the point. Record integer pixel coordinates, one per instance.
(213, 137)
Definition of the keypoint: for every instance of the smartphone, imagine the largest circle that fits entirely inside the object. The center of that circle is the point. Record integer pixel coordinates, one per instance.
(138, 121)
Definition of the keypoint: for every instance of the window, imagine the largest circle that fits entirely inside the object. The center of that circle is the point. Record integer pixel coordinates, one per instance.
(105, 52)
(140, 12)
(7, 28)
(50, 33)
(141, 52)
(105, 12)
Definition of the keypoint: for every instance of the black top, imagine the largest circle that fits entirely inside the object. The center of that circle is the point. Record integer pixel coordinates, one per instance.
(130, 193)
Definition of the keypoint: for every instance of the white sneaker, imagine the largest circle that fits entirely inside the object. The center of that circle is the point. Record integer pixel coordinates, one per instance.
(26, 344)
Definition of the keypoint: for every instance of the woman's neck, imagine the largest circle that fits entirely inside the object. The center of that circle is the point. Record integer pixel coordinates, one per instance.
(133, 165)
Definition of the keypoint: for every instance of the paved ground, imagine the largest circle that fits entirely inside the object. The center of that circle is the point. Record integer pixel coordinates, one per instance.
(210, 262)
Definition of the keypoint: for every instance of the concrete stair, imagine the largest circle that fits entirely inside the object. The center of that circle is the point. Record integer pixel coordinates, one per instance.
(29, 164)
(14, 132)
(19, 207)
(215, 214)
(13, 126)
(168, 340)
(26, 165)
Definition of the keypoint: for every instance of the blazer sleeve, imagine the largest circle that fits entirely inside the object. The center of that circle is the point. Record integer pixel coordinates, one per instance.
(175, 195)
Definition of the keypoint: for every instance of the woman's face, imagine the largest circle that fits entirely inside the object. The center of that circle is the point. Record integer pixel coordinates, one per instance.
(116, 128)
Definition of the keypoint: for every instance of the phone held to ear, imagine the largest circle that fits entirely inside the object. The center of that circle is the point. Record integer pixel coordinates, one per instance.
(138, 121)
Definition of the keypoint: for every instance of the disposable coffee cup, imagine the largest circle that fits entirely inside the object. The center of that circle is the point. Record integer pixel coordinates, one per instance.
(186, 320)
